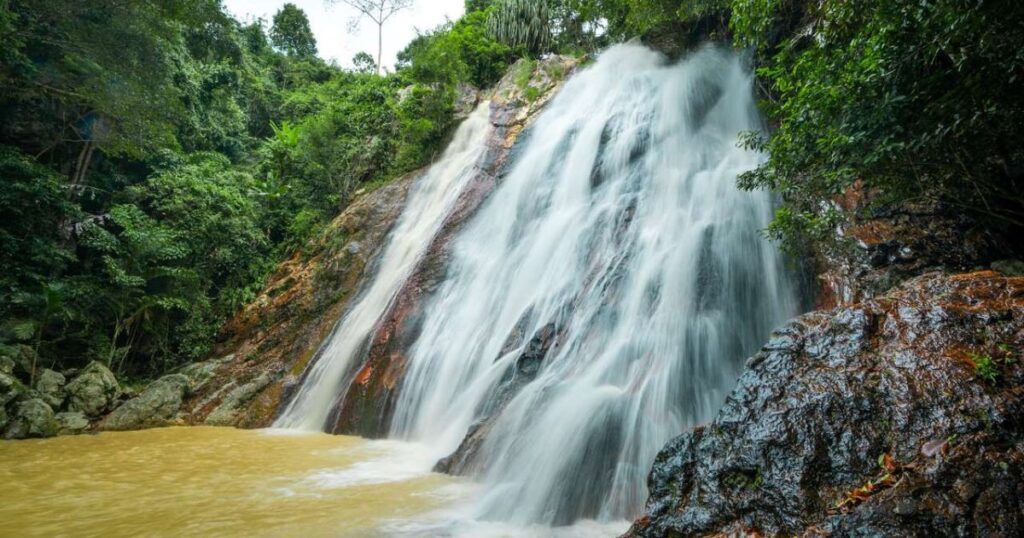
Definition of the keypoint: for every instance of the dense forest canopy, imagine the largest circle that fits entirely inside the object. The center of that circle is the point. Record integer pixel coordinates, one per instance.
(159, 157)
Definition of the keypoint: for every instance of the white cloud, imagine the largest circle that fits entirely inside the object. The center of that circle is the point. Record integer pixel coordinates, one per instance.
(330, 25)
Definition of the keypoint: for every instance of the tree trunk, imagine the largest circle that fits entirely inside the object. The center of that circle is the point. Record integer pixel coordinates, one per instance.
(380, 47)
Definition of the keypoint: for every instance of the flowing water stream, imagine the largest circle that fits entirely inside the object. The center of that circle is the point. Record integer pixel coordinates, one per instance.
(600, 302)
(428, 204)
(620, 240)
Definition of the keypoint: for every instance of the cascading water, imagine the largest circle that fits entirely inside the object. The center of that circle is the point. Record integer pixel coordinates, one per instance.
(618, 237)
(430, 202)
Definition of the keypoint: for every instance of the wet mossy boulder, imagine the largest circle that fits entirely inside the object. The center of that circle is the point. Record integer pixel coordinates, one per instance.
(94, 391)
(50, 386)
(71, 422)
(31, 418)
(897, 416)
(156, 405)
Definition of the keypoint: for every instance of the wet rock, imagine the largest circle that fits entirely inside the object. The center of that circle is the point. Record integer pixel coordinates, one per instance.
(519, 374)
(31, 418)
(10, 389)
(370, 400)
(50, 385)
(200, 373)
(236, 401)
(94, 391)
(71, 422)
(156, 405)
(836, 390)
(881, 248)
(279, 332)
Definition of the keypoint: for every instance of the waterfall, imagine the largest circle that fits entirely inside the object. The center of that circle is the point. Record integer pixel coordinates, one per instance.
(603, 298)
(429, 203)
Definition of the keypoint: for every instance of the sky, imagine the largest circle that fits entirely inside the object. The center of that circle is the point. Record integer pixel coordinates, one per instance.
(330, 25)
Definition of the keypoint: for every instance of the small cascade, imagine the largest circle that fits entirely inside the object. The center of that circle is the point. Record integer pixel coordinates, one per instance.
(429, 203)
(603, 299)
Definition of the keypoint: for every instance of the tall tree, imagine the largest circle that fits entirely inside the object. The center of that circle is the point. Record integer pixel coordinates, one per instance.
(291, 34)
(378, 11)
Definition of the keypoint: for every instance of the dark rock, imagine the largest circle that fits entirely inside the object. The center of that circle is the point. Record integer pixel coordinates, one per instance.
(830, 394)
(519, 374)
(880, 247)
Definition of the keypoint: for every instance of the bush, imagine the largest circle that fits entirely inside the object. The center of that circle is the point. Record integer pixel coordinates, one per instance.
(918, 100)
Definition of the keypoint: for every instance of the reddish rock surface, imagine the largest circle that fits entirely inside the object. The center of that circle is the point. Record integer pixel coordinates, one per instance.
(268, 345)
(901, 415)
(272, 339)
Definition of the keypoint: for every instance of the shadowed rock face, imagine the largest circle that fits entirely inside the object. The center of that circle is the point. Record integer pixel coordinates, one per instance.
(879, 248)
(903, 375)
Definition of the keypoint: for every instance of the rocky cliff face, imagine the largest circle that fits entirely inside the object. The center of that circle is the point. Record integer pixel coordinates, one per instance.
(896, 416)
(368, 405)
(267, 346)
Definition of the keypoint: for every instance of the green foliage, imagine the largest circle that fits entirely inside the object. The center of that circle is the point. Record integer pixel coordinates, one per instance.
(523, 24)
(291, 33)
(462, 51)
(364, 63)
(150, 188)
(984, 367)
(917, 100)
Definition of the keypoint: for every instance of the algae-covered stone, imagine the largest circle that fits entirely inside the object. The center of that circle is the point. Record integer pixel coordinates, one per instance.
(94, 391)
(227, 412)
(32, 418)
(156, 405)
(200, 372)
(50, 386)
(10, 389)
(72, 422)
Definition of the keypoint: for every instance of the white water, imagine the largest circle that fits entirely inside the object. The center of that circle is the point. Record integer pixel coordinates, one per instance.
(431, 200)
(621, 225)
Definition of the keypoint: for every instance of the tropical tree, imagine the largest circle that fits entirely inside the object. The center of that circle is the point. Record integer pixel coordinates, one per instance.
(291, 33)
(364, 63)
(378, 11)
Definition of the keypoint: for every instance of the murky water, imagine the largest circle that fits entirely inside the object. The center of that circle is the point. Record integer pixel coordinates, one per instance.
(205, 481)
(215, 482)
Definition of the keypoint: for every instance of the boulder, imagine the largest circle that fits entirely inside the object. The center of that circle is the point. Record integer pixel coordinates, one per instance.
(50, 386)
(10, 389)
(236, 400)
(157, 404)
(94, 391)
(898, 416)
(72, 422)
(32, 418)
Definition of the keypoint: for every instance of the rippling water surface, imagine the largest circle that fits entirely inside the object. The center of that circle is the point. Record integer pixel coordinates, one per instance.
(205, 481)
